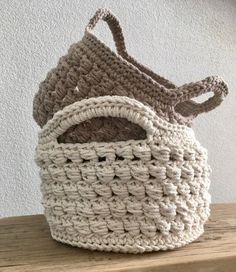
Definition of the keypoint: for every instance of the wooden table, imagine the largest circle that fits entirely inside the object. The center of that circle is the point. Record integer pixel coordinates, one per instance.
(26, 245)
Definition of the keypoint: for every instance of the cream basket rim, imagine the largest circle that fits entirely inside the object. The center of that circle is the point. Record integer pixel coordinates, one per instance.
(157, 121)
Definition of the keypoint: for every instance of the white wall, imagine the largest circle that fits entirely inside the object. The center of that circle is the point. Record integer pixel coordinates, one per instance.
(181, 40)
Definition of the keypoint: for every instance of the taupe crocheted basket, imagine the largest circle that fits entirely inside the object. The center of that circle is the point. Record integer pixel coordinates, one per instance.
(91, 69)
(132, 195)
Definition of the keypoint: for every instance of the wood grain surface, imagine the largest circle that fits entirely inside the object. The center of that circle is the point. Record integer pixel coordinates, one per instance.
(26, 245)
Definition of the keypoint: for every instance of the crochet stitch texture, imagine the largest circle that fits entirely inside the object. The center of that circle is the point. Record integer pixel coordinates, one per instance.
(91, 69)
(129, 196)
(120, 166)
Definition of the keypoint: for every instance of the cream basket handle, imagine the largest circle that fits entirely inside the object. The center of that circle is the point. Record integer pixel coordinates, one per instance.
(114, 25)
(104, 106)
(188, 91)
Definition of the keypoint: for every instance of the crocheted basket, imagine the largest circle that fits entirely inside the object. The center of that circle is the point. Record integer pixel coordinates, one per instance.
(92, 69)
(127, 196)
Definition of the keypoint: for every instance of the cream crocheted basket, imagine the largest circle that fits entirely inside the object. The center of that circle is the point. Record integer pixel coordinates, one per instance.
(130, 196)
(134, 195)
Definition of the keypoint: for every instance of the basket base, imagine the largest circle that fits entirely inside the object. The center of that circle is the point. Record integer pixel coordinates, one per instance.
(144, 245)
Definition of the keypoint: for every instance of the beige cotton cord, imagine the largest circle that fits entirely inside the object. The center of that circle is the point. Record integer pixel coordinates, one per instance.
(128, 196)
(91, 69)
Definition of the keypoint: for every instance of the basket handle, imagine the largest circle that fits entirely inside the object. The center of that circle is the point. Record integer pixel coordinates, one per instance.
(114, 25)
(185, 93)
(104, 106)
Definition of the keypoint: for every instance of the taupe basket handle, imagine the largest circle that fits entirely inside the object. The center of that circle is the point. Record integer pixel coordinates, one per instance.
(114, 25)
(104, 106)
(188, 91)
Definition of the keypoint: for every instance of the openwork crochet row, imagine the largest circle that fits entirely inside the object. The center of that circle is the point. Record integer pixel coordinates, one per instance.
(126, 196)
(91, 69)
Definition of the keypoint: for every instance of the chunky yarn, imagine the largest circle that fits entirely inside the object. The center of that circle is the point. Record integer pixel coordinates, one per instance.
(127, 196)
(91, 69)
(120, 166)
